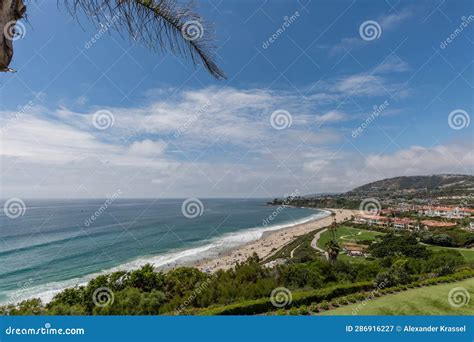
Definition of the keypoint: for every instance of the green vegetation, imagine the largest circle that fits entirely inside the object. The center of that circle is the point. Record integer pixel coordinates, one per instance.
(399, 262)
(448, 237)
(301, 248)
(432, 300)
(468, 254)
(392, 245)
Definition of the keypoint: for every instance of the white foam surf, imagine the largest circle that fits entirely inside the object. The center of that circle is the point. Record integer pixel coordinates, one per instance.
(170, 259)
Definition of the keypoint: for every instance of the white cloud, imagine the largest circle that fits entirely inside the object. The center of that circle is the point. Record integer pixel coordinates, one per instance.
(454, 158)
(331, 116)
(147, 147)
(395, 19)
(226, 147)
(387, 23)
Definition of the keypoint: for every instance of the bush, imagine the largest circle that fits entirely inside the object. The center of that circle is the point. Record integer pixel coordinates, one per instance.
(324, 305)
(262, 305)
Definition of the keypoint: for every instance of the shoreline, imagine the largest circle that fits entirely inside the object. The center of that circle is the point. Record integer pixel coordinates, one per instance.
(187, 257)
(269, 243)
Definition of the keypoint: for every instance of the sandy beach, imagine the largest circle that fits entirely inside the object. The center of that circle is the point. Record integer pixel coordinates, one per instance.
(269, 243)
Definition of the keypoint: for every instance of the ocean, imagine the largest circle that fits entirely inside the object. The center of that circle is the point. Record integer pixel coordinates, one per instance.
(52, 244)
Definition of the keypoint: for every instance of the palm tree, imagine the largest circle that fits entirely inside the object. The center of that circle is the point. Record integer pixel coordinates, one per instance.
(332, 249)
(332, 246)
(10, 12)
(157, 24)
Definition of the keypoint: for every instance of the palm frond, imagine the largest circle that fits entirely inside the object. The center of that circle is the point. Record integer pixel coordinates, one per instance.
(158, 24)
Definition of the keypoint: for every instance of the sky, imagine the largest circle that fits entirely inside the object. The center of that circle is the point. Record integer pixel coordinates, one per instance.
(320, 96)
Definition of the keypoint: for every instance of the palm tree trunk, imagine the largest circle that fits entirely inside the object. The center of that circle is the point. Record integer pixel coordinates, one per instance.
(10, 12)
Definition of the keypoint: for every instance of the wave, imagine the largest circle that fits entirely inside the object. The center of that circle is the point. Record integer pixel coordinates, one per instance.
(179, 257)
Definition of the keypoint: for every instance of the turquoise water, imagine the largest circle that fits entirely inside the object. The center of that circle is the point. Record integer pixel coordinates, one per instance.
(56, 243)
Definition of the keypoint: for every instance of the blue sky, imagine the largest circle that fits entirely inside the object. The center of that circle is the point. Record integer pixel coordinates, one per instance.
(177, 132)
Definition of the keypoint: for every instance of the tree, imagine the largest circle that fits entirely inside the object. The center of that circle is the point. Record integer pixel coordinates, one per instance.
(10, 12)
(333, 249)
(157, 24)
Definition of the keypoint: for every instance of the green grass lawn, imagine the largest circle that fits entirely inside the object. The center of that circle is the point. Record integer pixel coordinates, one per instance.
(468, 254)
(432, 300)
(348, 234)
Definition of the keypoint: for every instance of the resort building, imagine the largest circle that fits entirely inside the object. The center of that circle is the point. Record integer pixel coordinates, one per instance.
(445, 212)
(354, 249)
(429, 224)
(404, 223)
(372, 220)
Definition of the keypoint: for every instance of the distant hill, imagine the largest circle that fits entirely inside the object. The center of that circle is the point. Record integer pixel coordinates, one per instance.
(414, 184)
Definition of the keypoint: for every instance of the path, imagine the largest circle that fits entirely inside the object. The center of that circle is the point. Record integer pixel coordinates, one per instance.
(294, 249)
(314, 243)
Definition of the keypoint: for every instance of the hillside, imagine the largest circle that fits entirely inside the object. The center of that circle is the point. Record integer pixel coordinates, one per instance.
(432, 300)
(419, 184)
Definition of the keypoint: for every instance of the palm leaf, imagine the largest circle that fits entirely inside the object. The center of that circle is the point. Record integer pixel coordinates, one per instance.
(158, 24)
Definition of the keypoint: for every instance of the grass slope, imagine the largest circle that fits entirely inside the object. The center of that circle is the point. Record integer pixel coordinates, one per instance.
(348, 234)
(432, 300)
(468, 254)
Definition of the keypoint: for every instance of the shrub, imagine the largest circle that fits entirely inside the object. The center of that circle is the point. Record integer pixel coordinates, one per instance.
(324, 305)
(258, 306)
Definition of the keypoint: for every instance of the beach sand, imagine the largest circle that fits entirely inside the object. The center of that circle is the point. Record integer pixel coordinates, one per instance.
(269, 243)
